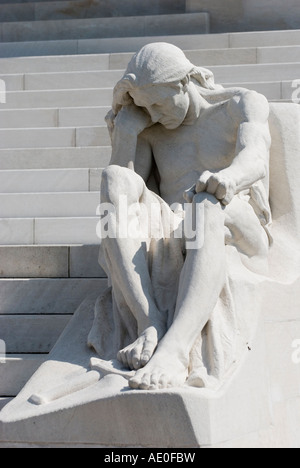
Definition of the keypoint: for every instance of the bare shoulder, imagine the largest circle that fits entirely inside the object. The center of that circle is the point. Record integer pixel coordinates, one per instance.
(249, 106)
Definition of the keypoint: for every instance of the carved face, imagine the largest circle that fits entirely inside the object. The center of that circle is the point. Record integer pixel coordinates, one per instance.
(166, 104)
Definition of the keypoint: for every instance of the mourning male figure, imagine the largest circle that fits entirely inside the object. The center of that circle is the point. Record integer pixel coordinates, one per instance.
(206, 146)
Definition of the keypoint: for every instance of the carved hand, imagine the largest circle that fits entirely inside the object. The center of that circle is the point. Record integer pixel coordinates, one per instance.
(218, 184)
(132, 119)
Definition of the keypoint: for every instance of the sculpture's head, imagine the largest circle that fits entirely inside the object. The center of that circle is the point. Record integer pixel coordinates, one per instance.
(157, 79)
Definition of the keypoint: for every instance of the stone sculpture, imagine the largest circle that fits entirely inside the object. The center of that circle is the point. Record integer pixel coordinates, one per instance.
(192, 281)
(186, 152)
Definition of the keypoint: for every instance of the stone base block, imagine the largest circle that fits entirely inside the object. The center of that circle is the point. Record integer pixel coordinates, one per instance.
(109, 414)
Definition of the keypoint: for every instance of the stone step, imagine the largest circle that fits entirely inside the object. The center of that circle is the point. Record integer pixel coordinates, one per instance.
(205, 57)
(131, 44)
(46, 296)
(57, 98)
(83, 97)
(66, 230)
(56, 63)
(106, 79)
(94, 116)
(50, 180)
(47, 137)
(221, 56)
(49, 231)
(56, 261)
(31, 333)
(47, 10)
(187, 42)
(49, 205)
(54, 158)
(16, 371)
(66, 117)
(188, 23)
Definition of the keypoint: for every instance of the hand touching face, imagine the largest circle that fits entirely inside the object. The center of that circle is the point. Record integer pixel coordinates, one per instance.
(166, 104)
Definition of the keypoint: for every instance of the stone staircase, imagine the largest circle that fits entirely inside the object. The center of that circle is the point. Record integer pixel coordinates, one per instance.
(54, 145)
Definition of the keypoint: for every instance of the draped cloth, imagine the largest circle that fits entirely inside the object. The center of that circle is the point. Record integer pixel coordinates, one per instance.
(228, 334)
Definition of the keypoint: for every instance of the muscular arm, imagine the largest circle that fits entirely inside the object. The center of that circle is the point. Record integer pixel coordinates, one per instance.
(253, 141)
(250, 164)
(128, 148)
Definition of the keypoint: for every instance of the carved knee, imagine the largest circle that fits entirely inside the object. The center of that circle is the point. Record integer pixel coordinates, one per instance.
(119, 181)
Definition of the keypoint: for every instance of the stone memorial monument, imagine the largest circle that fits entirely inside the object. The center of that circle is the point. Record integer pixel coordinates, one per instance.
(176, 342)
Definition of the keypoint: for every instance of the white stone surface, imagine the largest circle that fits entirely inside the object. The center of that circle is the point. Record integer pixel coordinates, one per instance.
(162, 409)
(82, 116)
(54, 158)
(61, 230)
(35, 138)
(151, 25)
(75, 230)
(69, 80)
(34, 262)
(51, 205)
(46, 296)
(29, 118)
(57, 98)
(17, 370)
(50, 180)
(16, 231)
(32, 334)
(92, 136)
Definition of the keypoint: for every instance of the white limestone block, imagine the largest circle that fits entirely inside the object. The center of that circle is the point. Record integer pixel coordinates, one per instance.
(82, 116)
(29, 118)
(35, 48)
(283, 54)
(265, 38)
(54, 158)
(68, 230)
(49, 205)
(259, 72)
(132, 44)
(84, 262)
(36, 138)
(72, 80)
(55, 63)
(50, 180)
(92, 136)
(34, 262)
(47, 296)
(13, 82)
(31, 333)
(194, 23)
(17, 370)
(16, 231)
(57, 98)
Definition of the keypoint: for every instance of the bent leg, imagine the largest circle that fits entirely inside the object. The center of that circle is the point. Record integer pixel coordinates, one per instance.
(126, 258)
(201, 283)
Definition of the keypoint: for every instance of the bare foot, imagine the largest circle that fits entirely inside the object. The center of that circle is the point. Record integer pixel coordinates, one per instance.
(139, 353)
(163, 371)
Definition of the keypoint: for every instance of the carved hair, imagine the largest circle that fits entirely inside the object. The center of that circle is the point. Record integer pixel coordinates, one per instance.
(159, 64)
